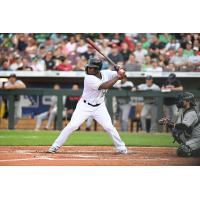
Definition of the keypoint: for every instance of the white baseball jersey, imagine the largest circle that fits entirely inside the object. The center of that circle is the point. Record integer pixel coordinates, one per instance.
(83, 111)
(91, 92)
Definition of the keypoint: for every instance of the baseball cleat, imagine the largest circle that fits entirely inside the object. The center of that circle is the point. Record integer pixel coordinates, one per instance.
(124, 151)
(52, 149)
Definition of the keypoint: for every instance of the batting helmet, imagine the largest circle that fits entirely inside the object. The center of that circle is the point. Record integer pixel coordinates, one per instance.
(188, 96)
(94, 62)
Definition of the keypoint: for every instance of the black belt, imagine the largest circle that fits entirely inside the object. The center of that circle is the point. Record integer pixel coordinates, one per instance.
(91, 104)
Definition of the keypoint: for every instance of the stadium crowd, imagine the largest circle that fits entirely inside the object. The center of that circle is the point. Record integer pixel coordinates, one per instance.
(70, 52)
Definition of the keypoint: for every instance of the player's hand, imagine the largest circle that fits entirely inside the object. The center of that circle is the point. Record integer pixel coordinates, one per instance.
(121, 73)
(163, 121)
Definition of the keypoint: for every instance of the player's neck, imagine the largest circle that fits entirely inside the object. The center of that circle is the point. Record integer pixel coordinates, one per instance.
(98, 75)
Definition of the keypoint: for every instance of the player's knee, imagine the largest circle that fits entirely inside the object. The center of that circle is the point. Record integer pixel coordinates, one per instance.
(184, 151)
(109, 128)
(73, 127)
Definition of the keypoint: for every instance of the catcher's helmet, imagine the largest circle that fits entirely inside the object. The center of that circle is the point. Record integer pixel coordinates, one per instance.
(188, 96)
(94, 62)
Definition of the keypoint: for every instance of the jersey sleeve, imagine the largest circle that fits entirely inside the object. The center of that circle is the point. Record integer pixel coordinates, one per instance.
(92, 82)
(141, 87)
(113, 74)
(156, 87)
(190, 118)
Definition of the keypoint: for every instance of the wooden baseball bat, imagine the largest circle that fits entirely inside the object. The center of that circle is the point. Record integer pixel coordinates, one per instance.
(93, 45)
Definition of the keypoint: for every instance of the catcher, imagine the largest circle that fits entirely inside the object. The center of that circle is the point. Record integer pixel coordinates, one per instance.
(186, 130)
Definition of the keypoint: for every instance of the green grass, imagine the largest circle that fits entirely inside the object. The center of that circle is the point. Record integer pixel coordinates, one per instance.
(44, 138)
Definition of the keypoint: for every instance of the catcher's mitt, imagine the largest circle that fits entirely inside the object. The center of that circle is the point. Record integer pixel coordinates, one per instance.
(176, 133)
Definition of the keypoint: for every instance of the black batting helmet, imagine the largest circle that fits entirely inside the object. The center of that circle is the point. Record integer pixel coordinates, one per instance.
(188, 96)
(94, 62)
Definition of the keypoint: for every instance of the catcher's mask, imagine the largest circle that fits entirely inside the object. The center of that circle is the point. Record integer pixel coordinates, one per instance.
(94, 63)
(185, 96)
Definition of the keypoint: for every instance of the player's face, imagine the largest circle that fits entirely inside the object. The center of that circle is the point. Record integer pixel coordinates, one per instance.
(92, 70)
(149, 82)
(13, 80)
(186, 104)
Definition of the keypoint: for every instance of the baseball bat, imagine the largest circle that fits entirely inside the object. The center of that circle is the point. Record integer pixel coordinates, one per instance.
(93, 45)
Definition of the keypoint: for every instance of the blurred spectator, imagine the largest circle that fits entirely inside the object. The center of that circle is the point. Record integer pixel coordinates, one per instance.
(22, 44)
(155, 47)
(49, 44)
(170, 108)
(132, 64)
(188, 51)
(124, 103)
(38, 64)
(64, 65)
(89, 53)
(179, 61)
(194, 60)
(147, 63)
(150, 108)
(81, 62)
(140, 53)
(31, 48)
(49, 61)
(42, 51)
(154, 66)
(115, 56)
(17, 63)
(71, 45)
(105, 47)
(145, 42)
(172, 44)
(161, 46)
(186, 39)
(82, 47)
(13, 84)
(5, 65)
(165, 38)
(73, 57)
(25, 65)
(125, 52)
(50, 114)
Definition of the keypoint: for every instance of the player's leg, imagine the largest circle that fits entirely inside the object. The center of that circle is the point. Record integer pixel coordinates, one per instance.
(190, 148)
(153, 118)
(51, 119)
(174, 112)
(89, 123)
(18, 111)
(144, 113)
(125, 109)
(194, 144)
(39, 119)
(78, 117)
(102, 116)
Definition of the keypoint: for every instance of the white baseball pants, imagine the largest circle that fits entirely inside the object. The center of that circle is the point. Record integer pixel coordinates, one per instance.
(82, 112)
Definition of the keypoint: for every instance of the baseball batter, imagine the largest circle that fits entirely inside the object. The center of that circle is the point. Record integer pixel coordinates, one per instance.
(92, 104)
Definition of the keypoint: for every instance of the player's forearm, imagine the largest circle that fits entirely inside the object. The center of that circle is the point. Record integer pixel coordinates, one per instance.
(178, 88)
(108, 84)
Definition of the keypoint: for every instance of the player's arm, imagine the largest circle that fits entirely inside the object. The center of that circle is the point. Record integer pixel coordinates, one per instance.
(108, 84)
(115, 77)
(180, 88)
(20, 85)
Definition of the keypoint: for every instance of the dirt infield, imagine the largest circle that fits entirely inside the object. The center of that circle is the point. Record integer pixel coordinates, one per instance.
(91, 156)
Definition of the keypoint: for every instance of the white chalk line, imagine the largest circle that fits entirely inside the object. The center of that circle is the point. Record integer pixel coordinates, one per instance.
(82, 158)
